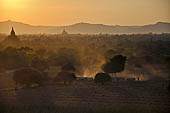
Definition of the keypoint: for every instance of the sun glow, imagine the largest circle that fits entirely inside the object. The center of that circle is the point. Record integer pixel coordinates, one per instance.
(8, 4)
(66, 12)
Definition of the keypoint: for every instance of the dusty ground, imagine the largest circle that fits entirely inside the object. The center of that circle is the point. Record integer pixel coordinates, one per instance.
(138, 97)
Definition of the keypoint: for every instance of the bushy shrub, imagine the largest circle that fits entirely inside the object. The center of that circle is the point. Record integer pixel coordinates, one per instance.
(68, 67)
(65, 77)
(102, 78)
(28, 77)
(39, 64)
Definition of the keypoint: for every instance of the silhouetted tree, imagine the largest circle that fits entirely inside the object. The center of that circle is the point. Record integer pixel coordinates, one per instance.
(10, 50)
(39, 63)
(68, 67)
(68, 55)
(65, 77)
(25, 49)
(28, 77)
(10, 58)
(109, 54)
(102, 78)
(115, 65)
(65, 56)
(41, 52)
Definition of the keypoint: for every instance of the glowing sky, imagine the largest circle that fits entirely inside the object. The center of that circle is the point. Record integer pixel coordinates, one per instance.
(64, 12)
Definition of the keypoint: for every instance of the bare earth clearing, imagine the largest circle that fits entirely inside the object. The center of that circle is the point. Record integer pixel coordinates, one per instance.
(125, 97)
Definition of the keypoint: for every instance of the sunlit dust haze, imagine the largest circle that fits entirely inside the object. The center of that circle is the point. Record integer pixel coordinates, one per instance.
(66, 12)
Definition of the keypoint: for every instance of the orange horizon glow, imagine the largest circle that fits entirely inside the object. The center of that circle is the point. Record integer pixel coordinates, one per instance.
(64, 12)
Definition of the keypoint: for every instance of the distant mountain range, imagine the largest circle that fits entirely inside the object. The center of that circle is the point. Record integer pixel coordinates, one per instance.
(84, 28)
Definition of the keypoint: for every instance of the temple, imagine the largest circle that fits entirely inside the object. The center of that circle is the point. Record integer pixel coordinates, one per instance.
(13, 33)
(12, 37)
(64, 32)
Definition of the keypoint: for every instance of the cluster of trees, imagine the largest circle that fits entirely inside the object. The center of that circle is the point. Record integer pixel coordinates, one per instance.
(65, 77)
(87, 52)
(9, 58)
(36, 64)
(115, 65)
(28, 77)
(12, 58)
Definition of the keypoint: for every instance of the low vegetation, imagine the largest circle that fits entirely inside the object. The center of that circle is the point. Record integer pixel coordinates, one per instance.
(102, 78)
(65, 77)
(28, 77)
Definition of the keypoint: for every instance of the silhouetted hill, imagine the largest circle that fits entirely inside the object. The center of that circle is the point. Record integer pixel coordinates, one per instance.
(84, 28)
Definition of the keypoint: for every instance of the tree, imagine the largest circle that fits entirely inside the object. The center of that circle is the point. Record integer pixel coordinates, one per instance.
(25, 50)
(102, 78)
(68, 67)
(67, 55)
(28, 77)
(11, 58)
(39, 63)
(11, 50)
(65, 77)
(109, 54)
(41, 52)
(115, 65)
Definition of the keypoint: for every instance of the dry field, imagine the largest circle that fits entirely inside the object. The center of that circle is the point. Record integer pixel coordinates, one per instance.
(123, 97)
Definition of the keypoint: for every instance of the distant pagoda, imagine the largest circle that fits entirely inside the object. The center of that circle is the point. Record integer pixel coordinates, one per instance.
(12, 37)
(13, 33)
(64, 32)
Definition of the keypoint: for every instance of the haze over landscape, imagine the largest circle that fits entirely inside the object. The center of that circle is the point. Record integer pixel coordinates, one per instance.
(84, 56)
(84, 28)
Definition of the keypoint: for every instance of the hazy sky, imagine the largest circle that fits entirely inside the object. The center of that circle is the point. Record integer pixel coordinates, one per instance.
(65, 12)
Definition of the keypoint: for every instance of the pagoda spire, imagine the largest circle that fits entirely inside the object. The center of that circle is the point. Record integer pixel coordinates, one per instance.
(12, 32)
(12, 38)
(64, 32)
